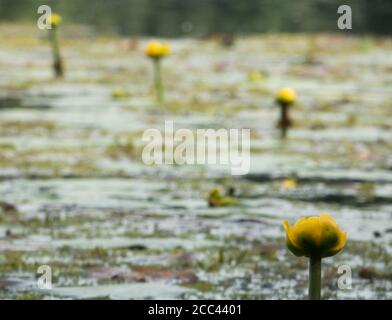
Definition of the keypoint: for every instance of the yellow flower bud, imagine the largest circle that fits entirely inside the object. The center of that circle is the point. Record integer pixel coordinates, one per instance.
(156, 49)
(216, 199)
(286, 96)
(54, 19)
(289, 183)
(315, 236)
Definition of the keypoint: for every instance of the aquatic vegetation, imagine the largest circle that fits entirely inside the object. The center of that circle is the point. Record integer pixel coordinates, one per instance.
(367, 191)
(256, 76)
(122, 148)
(311, 54)
(58, 66)
(315, 238)
(119, 93)
(157, 50)
(216, 199)
(285, 98)
(70, 167)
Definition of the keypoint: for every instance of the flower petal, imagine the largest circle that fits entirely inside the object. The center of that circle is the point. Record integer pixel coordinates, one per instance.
(339, 246)
(329, 232)
(290, 241)
(307, 233)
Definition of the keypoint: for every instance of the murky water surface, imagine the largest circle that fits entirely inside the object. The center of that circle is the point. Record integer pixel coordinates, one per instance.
(75, 195)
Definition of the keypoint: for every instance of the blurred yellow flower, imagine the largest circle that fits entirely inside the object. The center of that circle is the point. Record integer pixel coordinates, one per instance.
(216, 199)
(54, 19)
(289, 183)
(315, 236)
(286, 96)
(255, 76)
(119, 93)
(157, 49)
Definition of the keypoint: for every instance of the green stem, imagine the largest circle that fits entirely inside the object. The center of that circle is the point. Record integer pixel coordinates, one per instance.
(57, 61)
(315, 278)
(284, 119)
(159, 90)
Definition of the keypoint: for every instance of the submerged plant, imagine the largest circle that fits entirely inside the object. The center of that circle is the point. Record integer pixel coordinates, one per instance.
(156, 50)
(58, 66)
(315, 238)
(285, 98)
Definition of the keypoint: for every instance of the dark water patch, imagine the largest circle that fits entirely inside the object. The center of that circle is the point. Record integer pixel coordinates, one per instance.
(7, 103)
(322, 178)
(344, 200)
(10, 103)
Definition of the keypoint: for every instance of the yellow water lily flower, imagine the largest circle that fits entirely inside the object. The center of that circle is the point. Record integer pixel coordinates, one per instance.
(289, 183)
(54, 19)
(315, 236)
(216, 199)
(286, 96)
(157, 49)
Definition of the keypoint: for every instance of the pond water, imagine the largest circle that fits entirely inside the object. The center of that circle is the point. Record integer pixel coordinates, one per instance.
(76, 196)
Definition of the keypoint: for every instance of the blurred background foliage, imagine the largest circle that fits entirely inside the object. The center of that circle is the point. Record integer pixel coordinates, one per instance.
(173, 18)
